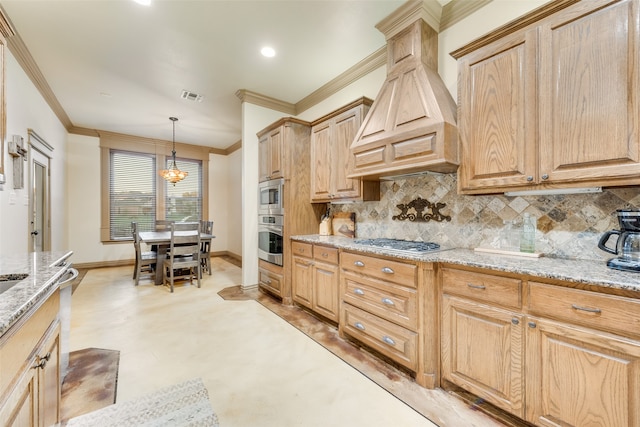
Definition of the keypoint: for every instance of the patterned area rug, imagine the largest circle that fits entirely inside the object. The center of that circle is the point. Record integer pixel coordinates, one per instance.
(90, 383)
(185, 404)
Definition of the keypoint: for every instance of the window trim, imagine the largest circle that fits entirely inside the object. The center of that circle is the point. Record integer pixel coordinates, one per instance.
(162, 150)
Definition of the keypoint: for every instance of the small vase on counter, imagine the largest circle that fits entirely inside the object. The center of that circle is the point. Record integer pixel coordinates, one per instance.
(528, 234)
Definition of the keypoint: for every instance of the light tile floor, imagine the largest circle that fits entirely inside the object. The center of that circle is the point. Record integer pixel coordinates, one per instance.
(259, 369)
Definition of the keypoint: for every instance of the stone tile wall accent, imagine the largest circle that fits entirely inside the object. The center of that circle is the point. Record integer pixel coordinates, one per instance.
(569, 226)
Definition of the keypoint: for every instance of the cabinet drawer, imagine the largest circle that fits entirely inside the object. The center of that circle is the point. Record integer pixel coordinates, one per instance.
(270, 280)
(391, 302)
(325, 254)
(483, 287)
(391, 271)
(302, 249)
(388, 338)
(599, 311)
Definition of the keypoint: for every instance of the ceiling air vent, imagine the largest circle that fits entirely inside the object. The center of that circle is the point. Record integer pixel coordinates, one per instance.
(191, 96)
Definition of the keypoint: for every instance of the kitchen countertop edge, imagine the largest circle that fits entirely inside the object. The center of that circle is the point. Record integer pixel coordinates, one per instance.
(43, 274)
(588, 272)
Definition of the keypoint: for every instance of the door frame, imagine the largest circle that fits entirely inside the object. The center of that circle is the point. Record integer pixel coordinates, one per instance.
(37, 143)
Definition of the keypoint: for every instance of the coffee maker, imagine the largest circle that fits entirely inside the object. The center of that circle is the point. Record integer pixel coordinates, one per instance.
(627, 242)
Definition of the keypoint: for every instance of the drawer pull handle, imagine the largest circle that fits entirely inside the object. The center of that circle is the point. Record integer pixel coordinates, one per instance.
(387, 270)
(388, 340)
(358, 291)
(359, 264)
(387, 301)
(471, 285)
(587, 309)
(359, 326)
(515, 321)
(268, 282)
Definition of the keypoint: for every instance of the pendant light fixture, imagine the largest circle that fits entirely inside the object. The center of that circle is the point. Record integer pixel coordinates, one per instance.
(173, 174)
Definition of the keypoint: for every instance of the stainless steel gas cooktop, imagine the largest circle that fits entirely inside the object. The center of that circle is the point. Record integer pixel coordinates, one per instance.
(404, 246)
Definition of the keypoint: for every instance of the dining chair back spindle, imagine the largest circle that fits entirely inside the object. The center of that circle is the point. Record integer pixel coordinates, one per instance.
(144, 260)
(206, 227)
(183, 253)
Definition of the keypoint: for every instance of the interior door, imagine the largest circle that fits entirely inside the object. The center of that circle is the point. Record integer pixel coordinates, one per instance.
(40, 236)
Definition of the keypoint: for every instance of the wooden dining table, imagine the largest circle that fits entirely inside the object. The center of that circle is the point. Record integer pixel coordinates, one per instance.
(162, 239)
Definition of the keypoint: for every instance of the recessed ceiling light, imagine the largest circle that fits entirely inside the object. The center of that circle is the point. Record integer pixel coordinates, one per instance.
(143, 2)
(267, 51)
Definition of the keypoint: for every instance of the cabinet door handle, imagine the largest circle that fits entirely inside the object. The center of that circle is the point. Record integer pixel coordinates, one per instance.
(471, 285)
(529, 178)
(532, 325)
(387, 301)
(359, 326)
(46, 356)
(515, 321)
(359, 264)
(587, 309)
(388, 340)
(358, 291)
(387, 270)
(545, 176)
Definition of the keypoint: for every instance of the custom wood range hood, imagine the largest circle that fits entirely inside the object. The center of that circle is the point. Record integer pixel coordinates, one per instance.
(411, 126)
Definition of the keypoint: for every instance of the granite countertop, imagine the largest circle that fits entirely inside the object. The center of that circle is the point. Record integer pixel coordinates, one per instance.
(579, 271)
(43, 269)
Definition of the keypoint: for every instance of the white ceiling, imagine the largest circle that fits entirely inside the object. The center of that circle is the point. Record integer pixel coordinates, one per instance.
(118, 66)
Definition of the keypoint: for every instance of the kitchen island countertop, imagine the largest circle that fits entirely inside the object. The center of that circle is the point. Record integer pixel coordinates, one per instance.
(43, 269)
(589, 272)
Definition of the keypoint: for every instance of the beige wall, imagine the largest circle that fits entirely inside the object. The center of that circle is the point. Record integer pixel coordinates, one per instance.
(25, 108)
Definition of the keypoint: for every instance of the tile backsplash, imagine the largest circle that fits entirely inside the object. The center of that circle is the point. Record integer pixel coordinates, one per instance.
(569, 226)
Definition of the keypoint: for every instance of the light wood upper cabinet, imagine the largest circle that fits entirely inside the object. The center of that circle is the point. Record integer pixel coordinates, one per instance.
(497, 114)
(589, 86)
(552, 100)
(270, 153)
(331, 162)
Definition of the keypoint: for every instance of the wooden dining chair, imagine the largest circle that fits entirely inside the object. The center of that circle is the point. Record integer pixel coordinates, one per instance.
(144, 260)
(206, 227)
(183, 253)
(163, 224)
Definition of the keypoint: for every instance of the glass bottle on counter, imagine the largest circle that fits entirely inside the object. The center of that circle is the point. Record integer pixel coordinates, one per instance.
(528, 235)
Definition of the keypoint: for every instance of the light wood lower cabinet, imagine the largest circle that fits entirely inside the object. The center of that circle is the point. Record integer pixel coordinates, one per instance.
(390, 306)
(581, 377)
(563, 357)
(30, 382)
(270, 277)
(482, 347)
(315, 278)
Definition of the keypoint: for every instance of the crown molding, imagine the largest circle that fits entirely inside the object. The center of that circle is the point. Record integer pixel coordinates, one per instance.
(26, 61)
(428, 10)
(233, 148)
(367, 65)
(6, 29)
(457, 10)
(83, 131)
(266, 101)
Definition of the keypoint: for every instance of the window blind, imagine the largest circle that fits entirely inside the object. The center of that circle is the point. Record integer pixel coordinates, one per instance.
(132, 192)
(184, 200)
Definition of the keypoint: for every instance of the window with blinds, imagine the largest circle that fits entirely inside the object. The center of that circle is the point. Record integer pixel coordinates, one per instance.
(183, 201)
(132, 192)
